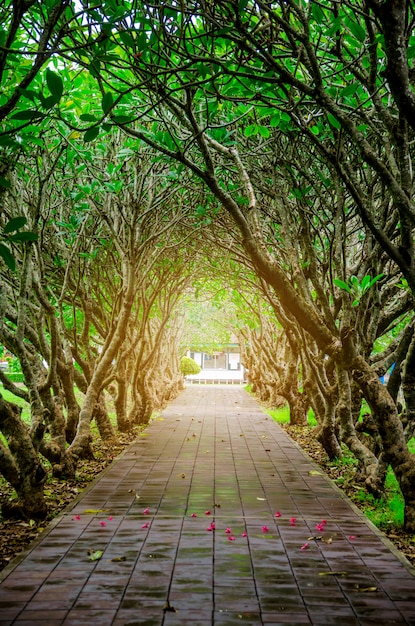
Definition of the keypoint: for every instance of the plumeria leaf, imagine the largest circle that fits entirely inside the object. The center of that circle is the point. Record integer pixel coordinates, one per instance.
(7, 257)
(14, 224)
(341, 284)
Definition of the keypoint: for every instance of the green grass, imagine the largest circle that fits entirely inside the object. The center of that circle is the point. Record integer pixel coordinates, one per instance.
(282, 415)
(9, 397)
(386, 512)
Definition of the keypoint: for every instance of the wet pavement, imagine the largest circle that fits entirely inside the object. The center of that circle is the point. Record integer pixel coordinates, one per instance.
(212, 517)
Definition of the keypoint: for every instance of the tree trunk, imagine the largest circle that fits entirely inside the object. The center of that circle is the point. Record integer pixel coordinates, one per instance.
(408, 387)
(327, 431)
(120, 404)
(72, 407)
(20, 465)
(391, 431)
(100, 414)
(374, 480)
(81, 445)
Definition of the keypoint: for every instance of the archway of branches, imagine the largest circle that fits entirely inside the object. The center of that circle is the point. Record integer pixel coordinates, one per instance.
(256, 157)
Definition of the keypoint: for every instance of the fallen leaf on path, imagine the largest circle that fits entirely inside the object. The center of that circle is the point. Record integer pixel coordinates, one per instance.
(94, 511)
(365, 589)
(119, 559)
(169, 608)
(95, 555)
(333, 573)
(327, 540)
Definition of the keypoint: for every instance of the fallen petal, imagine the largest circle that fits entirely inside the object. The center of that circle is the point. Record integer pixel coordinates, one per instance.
(304, 546)
(103, 523)
(293, 521)
(244, 534)
(265, 529)
(228, 531)
(77, 517)
(146, 525)
(110, 518)
(231, 538)
(146, 511)
(207, 512)
(193, 515)
(277, 514)
(352, 537)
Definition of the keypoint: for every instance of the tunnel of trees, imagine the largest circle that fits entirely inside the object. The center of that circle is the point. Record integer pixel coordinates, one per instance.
(164, 163)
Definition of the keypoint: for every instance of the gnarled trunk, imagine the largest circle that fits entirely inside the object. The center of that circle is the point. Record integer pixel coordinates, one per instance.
(20, 465)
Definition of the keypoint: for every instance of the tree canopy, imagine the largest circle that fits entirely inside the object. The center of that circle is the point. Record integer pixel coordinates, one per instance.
(262, 149)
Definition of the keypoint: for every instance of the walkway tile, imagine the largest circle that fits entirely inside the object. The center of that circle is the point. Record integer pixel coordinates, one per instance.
(212, 517)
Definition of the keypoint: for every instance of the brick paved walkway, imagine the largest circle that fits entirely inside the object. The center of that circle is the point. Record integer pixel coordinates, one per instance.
(211, 450)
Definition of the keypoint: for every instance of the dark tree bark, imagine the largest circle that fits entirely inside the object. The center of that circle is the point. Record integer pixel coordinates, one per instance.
(20, 465)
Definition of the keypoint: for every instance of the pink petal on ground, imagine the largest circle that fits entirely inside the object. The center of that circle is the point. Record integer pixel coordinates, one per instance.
(231, 538)
(277, 514)
(324, 521)
(103, 523)
(110, 518)
(146, 511)
(320, 527)
(304, 546)
(193, 515)
(77, 517)
(293, 521)
(207, 512)
(146, 525)
(265, 529)
(228, 531)
(244, 534)
(352, 537)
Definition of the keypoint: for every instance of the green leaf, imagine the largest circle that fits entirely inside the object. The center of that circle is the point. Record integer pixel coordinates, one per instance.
(49, 102)
(375, 280)
(342, 285)
(356, 29)
(264, 131)
(7, 257)
(251, 130)
(349, 89)
(315, 129)
(365, 282)
(91, 133)
(95, 555)
(28, 115)
(107, 102)
(122, 119)
(55, 84)
(25, 236)
(275, 119)
(14, 224)
(4, 182)
(333, 121)
(317, 13)
(86, 117)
